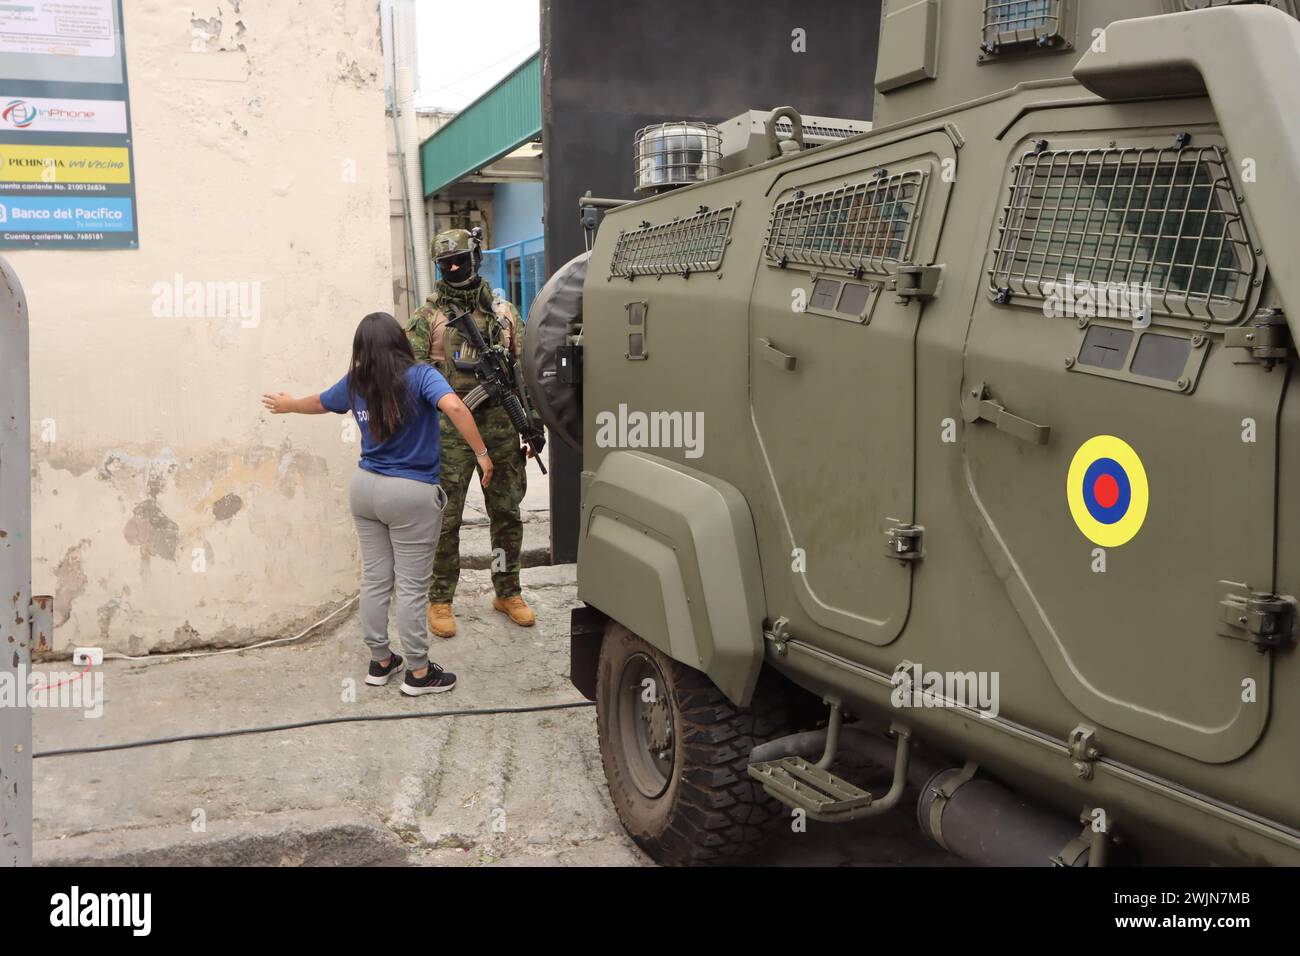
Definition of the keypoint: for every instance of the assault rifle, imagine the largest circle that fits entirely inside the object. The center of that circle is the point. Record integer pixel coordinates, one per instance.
(495, 372)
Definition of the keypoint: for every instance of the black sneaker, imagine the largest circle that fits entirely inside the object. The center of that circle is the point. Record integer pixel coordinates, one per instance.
(379, 673)
(435, 681)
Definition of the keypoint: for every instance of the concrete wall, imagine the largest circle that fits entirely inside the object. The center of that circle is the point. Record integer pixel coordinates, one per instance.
(169, 510)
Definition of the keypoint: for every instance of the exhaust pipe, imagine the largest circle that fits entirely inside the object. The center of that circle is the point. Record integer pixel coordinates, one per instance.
(982, 821)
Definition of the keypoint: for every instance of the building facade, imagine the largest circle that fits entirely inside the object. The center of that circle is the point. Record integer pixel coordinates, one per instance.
(483, 168)
(170, 510)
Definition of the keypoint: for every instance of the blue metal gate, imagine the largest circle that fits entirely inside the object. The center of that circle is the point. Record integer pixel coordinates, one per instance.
(516, 271)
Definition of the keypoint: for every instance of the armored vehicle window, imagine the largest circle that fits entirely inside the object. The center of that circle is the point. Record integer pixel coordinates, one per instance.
(853, 227)
(692, 244)
(855, 298)
(1157, 219)
(1161, 356)
(1106, 347)
(1009, 23)
(825, 292)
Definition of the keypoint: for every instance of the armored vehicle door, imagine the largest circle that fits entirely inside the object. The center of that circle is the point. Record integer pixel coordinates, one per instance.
(1119, 449)
(833, 322)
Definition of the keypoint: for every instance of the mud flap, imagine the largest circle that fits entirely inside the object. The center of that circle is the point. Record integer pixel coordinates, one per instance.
(586, 632)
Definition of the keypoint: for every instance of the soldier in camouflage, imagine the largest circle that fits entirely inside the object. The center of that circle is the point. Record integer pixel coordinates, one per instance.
(459, 288)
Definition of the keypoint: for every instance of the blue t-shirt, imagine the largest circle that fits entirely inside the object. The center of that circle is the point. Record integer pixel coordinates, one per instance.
(413, 451)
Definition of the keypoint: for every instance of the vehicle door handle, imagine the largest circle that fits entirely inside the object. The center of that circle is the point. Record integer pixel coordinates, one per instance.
(980, 407)
(776, 356)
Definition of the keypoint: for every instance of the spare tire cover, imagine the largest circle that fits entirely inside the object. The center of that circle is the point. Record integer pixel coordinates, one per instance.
(557, 306)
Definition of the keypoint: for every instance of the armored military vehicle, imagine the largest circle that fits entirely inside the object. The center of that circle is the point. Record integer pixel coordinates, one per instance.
(975, 427)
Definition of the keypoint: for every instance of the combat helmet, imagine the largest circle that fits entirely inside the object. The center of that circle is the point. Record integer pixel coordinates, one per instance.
(457, 254)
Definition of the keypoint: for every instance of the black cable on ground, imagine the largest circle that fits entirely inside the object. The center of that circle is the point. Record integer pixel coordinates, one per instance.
(320, 722)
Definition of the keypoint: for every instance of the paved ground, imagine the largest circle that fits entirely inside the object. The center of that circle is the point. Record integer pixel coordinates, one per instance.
(517, 789)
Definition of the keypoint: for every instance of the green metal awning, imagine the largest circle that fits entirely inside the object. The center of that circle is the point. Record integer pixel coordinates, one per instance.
(497, 123)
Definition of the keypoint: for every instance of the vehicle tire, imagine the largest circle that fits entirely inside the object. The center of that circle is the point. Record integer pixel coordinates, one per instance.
(676, 760)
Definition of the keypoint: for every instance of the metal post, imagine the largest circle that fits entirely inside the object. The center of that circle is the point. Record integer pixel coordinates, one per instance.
(15, 575)
(523, 278)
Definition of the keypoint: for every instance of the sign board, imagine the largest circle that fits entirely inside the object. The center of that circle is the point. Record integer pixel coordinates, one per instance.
(63, 28)
(67, 172)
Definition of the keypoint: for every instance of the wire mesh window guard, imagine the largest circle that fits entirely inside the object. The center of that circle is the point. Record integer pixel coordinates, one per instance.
(693, 244)
(1160, 217)
(863, 226)
(1015, 22)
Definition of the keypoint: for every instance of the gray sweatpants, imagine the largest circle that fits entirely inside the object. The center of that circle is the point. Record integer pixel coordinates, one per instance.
(398, 521)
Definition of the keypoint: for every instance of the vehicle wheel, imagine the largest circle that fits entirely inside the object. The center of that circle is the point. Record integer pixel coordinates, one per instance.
(675, 752)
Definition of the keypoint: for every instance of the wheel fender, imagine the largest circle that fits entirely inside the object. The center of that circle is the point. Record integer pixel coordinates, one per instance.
(671, 554)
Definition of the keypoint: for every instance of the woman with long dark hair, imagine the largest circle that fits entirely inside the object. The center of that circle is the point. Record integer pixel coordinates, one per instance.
(396, 498)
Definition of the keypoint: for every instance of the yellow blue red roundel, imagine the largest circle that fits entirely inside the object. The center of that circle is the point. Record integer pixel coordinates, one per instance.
(1107, 491)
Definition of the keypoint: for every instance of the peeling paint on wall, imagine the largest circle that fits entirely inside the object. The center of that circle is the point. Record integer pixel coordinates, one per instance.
(350, 71)
(155, 534)
(227, 507)
(104, 615)
(163, 459)
(70, 582)
(204, 32)
(172, 513)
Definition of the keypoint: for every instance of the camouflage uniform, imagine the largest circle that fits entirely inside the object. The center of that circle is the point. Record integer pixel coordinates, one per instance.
(436, 342)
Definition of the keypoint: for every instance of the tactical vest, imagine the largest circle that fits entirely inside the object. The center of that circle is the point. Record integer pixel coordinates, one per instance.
(460, 357)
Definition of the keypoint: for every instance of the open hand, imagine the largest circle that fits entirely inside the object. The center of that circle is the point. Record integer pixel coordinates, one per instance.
(485, 467)
(278, 403)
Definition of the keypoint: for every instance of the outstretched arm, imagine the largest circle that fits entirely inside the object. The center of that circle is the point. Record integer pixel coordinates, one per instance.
(281, 403)
(460, 416)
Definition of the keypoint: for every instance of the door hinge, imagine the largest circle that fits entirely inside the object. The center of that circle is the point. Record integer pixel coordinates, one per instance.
(906, 542)
(1082, 743)
(1265, 339)
(915, 282)
(781, 635)
(1265, 620)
